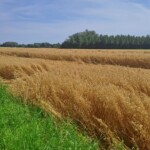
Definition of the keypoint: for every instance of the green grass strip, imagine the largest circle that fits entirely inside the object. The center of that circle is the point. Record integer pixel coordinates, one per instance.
(24, 127)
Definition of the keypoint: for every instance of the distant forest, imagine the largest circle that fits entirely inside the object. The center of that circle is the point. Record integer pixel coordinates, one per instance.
(35, 45)
(92, 40)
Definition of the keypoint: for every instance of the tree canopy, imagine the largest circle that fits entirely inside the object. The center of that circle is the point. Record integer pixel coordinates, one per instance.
(10, 44)
(35, 45)
(91, 40)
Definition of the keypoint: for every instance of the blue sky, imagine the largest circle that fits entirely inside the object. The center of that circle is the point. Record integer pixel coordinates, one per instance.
(29, 21)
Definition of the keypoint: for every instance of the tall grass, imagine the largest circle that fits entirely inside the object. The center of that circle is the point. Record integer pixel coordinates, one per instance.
(131, 58)
(110, 102)
(13, 67)
(24, 127)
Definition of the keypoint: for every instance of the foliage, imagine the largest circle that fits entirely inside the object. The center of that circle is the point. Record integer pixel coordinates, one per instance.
(91, 40)
(35, 45)
(42, 45)
(87, 39)
(10, 44)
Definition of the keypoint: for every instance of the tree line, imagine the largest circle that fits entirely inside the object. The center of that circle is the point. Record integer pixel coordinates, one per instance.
(92, 40)
(35, 45)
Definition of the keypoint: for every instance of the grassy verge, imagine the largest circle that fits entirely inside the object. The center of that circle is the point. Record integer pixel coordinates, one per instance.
(24, 127)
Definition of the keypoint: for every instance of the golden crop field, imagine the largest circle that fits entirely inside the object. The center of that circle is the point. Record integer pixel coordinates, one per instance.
(131, 58)
(105, 92)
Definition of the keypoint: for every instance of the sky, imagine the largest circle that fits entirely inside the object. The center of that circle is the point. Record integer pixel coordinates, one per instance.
(29, 21)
